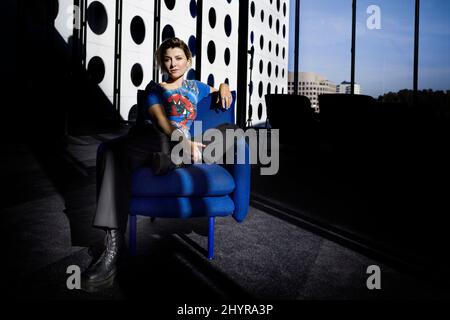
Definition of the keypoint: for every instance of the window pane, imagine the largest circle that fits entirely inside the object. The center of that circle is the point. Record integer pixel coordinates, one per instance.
(384, 46)
(434, 45)
(324, 44)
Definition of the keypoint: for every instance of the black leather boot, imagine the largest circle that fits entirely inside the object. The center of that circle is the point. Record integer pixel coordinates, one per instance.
(101, 274)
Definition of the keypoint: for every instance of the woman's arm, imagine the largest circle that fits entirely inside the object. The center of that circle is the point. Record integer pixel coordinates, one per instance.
(158, 117)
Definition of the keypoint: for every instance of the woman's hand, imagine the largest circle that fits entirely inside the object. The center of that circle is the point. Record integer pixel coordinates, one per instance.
(224, 96)
(194, 150)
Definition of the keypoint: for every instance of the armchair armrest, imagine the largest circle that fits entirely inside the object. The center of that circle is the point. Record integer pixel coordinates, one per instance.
(241, 175)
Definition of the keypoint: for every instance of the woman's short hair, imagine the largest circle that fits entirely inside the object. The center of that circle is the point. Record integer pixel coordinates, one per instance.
(168, 44)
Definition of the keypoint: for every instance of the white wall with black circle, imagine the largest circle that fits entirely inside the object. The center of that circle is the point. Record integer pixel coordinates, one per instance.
(179, 19)
(220, 42)
(100, 44)
(268, 35)
(136, 53)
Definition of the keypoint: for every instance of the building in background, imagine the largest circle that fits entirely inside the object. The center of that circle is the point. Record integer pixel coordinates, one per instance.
(311, 85)
(346, 87)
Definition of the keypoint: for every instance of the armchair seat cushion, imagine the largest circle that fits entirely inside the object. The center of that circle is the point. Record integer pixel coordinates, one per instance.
(198, 180)
(182, 207)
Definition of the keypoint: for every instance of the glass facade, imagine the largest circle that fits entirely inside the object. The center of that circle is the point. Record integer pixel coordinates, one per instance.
(384, 46)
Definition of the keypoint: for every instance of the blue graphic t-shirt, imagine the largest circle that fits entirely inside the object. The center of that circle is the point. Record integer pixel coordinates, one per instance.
(180, 104)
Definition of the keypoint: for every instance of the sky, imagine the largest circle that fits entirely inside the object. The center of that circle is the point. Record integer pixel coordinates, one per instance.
(384, 55)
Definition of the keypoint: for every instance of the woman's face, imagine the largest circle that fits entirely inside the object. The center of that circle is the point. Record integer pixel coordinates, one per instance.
(176, 62)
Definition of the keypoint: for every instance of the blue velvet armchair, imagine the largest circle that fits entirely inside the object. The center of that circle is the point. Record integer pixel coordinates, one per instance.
(197, 190)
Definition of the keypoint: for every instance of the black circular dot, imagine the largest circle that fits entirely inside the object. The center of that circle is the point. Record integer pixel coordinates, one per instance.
(227, 25)
(284, 52)
(211, 52)
(284, 9)
(271, 1)
(229, 1)
(250, 111)
(212, 17)
(97, 17)
(270, 46)
(262, 15)
(252, 37)
(277, 49)
(276, 71)
(137, 75)
(277, 26)
(252, 9)
(269, 69)
(193, 8)
(284, 31)
(261, 66)
(278, 5)
(137, 29)
(250, 87)
(270, 21)
(227, 81)
(210, 80)
(260, 111)
(192, 44)
(168, 32)
(269, 88)
(261, 42)
(96, 69)
(170, 4)
(191, 74)
(282, 73)
(260, 89)
(227, 56)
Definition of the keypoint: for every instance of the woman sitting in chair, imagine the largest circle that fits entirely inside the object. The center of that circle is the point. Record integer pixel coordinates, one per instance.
(170, 106)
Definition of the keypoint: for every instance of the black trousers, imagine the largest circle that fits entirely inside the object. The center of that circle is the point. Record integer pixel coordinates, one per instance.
(115, 164)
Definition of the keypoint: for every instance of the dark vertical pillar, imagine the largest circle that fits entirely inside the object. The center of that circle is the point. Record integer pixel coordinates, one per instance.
(83, 24)
(117, 56)
(416, 53)
(352, 81)
(296, 45)
(199, 38)
(242, 85)
(156, 35)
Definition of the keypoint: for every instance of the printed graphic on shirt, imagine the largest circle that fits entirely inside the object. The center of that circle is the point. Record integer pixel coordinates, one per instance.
(181, 111)
(180, 105)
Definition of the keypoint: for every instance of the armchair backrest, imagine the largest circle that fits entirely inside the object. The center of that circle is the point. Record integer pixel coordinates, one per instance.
(211, 114)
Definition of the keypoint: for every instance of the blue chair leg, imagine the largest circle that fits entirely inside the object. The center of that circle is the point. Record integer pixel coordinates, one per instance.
(133, 223)
(211, 238)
